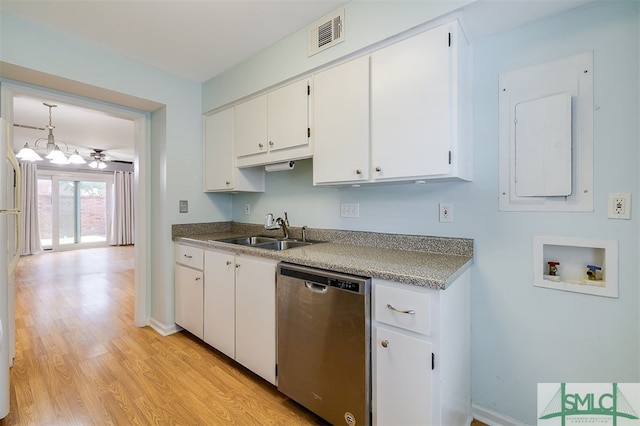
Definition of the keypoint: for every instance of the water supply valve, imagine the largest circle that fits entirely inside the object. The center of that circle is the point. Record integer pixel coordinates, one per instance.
(553, 268)
(592, 271)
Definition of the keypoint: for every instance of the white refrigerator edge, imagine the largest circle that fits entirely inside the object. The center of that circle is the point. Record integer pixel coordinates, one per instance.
(9, 255)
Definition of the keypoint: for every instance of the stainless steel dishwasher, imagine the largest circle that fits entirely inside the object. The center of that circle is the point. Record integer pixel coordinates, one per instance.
(324, 338)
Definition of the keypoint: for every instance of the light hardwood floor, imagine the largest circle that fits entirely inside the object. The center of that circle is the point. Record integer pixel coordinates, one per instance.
(80, 360)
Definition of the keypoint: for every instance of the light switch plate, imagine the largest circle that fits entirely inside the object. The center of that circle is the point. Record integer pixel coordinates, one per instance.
(184, 206)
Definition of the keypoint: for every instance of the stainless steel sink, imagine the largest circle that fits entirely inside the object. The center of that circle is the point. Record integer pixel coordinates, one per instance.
(249, 241)
(267, 243)
(282, 245)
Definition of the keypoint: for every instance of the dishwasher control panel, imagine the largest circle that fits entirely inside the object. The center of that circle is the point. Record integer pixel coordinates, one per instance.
(352, 283)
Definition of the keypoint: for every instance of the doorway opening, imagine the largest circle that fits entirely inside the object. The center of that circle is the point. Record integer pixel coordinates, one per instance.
(141, 126)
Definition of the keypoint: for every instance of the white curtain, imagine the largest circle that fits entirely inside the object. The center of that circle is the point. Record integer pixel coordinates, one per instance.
(122, 227)
(30, 227)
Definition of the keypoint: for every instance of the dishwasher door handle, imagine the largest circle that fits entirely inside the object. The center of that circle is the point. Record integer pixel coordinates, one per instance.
(316, 288)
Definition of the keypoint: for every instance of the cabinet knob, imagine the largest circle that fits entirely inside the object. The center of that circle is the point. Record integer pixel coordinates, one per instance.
(227, 182)
(260, 145)
(378, 169)
(229, 262)
(197, 278)
(237, 265)
(384, 343)
(270, 143)
(358, 171)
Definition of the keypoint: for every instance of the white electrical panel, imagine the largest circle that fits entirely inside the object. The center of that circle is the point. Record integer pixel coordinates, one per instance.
(543, 146)
(546, 136)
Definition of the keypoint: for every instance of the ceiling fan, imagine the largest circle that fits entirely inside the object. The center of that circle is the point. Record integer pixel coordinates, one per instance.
(99, 158)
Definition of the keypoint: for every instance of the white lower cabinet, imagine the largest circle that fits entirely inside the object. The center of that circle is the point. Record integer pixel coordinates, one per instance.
(256, 315)
(188, 279)
(240, 309)
(219, 301)
(188, 296)
(403, 378)
(421, 354)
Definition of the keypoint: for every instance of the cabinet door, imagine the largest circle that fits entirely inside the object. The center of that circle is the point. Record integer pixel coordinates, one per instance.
(402, 379)
(341, 123)
(288, 117)
(219, 163)
(251, 127)
(188, 299)
(411, 89)
(256, 315)
(219, 301)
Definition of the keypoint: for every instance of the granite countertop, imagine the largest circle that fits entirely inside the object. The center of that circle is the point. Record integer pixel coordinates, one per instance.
(432, 262)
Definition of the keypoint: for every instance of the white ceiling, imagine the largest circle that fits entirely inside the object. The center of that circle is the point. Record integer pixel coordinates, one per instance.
(195, 39)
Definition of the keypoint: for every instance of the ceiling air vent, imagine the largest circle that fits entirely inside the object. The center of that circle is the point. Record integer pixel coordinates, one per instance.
(326, 32)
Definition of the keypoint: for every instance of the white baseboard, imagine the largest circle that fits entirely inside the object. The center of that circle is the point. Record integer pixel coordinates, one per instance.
(163, 329)
(493, 418)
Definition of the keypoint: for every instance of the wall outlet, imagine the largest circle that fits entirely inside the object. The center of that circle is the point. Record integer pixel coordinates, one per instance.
(247, 209)
(184, 206)
(350, 210)
(446, 212)
(619, 205)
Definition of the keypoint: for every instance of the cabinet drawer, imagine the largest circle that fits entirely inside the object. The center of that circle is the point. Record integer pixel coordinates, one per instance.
(189, 256)
(402, 308)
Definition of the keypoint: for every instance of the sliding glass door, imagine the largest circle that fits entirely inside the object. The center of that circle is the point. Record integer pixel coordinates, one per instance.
(74, 210)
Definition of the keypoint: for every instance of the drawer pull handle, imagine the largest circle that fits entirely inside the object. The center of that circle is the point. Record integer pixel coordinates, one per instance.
(229, 262)
(188, 256)
(410, 311)
(197, 278)
(384, 343)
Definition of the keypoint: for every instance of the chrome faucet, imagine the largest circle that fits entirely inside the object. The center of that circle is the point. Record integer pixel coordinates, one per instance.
(304, 234)
(284, 224)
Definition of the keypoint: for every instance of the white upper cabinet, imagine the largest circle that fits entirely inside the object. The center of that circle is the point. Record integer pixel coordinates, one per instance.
(220, 171)
(341, 123)
(251, 127)
(288, 116)
(395, 115)
(411, 108)
(274, 127)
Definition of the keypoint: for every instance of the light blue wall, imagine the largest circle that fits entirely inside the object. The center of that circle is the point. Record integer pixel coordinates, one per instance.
(521, 335)
(176, 134)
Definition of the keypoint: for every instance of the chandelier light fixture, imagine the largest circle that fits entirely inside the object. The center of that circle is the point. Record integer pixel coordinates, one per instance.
(53, 152)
